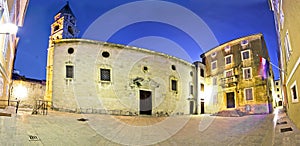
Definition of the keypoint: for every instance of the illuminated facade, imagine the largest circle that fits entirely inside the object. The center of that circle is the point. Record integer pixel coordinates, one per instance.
(27, 90)
(89, 76)
(234, 76)
(11, 11)
(103, 76)
(64, 27)
(287, 25)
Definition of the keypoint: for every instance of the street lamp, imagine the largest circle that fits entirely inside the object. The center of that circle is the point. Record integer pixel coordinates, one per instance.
(8, 28)
(20, 92)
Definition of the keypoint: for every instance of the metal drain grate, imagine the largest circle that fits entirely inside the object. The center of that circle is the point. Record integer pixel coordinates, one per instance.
(281, 123)
(33, 138)
(286, 129)
(82, 119)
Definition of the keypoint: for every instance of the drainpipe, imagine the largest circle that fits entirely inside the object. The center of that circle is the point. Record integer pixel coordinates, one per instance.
(197, 84)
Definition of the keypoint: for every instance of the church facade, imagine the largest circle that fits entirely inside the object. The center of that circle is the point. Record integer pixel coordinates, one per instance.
(99, 77)
(103, 76)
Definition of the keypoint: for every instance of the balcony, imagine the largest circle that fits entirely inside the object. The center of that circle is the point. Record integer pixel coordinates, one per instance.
(229, 81)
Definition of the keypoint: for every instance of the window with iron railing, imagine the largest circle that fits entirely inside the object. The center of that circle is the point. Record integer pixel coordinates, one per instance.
(69, 71)
(105, 74)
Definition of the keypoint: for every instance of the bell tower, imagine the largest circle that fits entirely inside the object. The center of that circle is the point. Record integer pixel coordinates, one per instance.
(63, 27)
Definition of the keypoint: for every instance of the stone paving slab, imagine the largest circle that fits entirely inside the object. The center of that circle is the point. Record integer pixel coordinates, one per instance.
(59, 128)
(290, 138)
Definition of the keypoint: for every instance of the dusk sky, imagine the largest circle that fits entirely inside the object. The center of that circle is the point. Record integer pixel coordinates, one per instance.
(199, 26)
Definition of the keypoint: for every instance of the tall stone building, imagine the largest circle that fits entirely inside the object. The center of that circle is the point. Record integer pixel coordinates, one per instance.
(287, 26)
(11, 12)
(234, 76)
(64, 27)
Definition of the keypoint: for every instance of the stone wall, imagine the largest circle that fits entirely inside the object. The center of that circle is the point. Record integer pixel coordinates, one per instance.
(27, 92)
(131, 70)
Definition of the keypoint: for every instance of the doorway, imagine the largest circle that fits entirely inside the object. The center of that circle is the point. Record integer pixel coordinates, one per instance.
(279, 103)
(191, 107)
(145, 102)
(230, 100)
(202, 106)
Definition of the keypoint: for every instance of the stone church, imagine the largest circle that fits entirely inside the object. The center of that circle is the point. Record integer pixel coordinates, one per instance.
(88, 76)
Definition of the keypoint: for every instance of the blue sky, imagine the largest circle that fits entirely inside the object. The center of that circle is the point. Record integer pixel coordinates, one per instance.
(186, 37)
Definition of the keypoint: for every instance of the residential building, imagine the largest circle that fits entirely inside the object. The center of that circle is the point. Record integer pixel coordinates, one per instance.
(287, 26)
(200, 84)
(11, 12)
(278, 92)
(236, 77)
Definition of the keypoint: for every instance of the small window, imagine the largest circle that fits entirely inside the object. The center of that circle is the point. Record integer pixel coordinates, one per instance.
(278, 95)
(281, 14)
(245, 54)
(247, 73)
(5, 41)
(70, 30)
(228, 59)
(228, 73)
(105, 54)
(276, 83)
(191, 73)
(227, 49)
(173, 67)
(174, 85)
(213, 55)
(244, 42)
(69, 71)
(202, 87)
(70, 51)
(104, 74)
(191, 89)
(277, 89)
(248, 94)
(287, 45)
(294, 92)
(56, 27)
(145, 69)
(201, 72)
(214, 80)
(214, 65)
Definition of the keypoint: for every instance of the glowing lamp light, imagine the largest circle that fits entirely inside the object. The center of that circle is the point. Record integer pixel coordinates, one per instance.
(8, 28)
(20, 92)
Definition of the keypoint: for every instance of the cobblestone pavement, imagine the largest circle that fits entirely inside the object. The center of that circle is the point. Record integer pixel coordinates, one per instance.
(59, 128)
